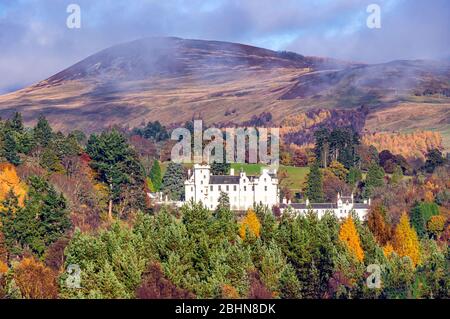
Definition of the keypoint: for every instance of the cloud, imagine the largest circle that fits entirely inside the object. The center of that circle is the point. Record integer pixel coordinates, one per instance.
(35, 42)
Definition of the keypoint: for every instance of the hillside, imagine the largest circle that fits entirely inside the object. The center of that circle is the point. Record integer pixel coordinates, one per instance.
(172, 80)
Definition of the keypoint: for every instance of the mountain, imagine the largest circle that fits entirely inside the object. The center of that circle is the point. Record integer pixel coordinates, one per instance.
(173, 80)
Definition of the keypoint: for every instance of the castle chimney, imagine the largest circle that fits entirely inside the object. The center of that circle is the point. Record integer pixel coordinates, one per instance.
(231, 171)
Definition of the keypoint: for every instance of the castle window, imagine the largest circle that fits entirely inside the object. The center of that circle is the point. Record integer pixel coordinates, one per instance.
(253, 188)
(220, 188)
(228, 188)
(192, 189)
(201, 182)
(211, 188)
(234, 188)
(245, 188)
(265, 188)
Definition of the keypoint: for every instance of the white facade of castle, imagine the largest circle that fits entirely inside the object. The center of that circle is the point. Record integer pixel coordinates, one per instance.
(342, 208)
(243, 191)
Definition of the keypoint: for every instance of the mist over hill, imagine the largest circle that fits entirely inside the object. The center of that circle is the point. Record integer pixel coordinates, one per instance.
(173, 80)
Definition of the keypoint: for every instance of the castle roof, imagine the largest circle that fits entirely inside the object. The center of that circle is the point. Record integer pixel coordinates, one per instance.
(224, 179)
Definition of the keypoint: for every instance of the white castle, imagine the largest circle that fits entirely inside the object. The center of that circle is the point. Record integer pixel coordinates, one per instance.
(343, 206)
(243, 191)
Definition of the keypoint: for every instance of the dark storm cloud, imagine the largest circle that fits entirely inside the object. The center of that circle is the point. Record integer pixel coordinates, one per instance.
(35, 42)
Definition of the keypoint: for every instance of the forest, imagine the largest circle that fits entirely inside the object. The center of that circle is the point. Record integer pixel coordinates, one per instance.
(76, 221)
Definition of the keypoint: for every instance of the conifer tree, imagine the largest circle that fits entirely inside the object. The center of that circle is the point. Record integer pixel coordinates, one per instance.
(43, 132)
(350, 237)
(250, 224)
(10, 149)
(406, 242)
(173, 181)
(314, 184)
(375, 178)
(17, 123)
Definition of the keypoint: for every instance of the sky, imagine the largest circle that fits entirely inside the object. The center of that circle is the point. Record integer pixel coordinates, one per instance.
(36, 43)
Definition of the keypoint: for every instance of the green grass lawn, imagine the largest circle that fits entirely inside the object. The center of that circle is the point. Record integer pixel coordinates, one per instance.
(294, 181)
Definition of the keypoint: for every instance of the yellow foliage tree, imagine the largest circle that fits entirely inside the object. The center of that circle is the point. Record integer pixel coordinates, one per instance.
(251, 223)
(388, 249)
(436, 225)
(3, 268)
(349, 236)
(9, 180)
(406, 242)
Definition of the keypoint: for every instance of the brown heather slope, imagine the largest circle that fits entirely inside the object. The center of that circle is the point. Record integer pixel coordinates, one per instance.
(173, 80)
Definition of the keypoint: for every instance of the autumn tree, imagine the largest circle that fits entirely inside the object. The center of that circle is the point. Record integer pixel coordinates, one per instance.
(350, 237)
(436, 225)
(34, 280)
(406, 242)
(376, 221)
(156, 286)
(10, 181)
(250, 224)
(257, 288)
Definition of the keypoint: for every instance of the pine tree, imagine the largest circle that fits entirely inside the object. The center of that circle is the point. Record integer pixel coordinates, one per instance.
(220, 168)
(17, 123)
(155, 176)
(10, 149)
(406, 242)
(9, 210)
(54, 216)
(43, 132)
(224, 201)
(173, 181)
(375, 178)
(314, 184)
(119, 168)
(421, 213)
(350, 237)
(354, 176)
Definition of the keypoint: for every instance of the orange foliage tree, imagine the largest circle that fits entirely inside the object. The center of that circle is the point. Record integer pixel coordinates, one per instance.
(349, 236)
(377, 225)
(251, 223)
(35, 280)
(410, 145)
(9, 180)
(406, 242)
